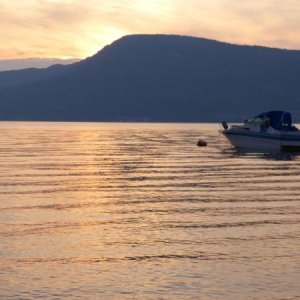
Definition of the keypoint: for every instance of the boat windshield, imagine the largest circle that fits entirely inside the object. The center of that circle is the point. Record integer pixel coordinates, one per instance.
(279, 120)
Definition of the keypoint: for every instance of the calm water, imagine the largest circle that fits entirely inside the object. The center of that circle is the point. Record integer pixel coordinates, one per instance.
(138, 211)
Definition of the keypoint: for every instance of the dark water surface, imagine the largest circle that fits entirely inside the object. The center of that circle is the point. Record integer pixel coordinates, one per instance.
(138, 211)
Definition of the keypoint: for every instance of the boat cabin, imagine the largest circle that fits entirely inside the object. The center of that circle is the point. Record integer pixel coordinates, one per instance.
(277, 120)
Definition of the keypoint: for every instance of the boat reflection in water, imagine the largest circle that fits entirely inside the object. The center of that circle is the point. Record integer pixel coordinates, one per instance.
(269, 131)
(265, 155)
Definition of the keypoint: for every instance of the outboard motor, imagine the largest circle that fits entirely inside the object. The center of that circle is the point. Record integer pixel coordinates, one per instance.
(225, 125)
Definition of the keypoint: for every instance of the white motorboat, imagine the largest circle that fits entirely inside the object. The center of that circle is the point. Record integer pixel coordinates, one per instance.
(269, 131)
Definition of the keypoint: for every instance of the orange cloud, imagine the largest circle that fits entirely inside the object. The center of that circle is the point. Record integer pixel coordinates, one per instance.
(76, 28)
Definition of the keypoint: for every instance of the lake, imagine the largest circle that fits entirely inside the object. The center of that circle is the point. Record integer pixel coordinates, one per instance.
(138, 211)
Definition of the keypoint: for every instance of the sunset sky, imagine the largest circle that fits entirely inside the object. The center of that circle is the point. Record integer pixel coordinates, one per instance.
(79, 28)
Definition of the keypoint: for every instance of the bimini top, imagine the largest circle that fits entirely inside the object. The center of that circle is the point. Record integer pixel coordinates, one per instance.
(279, 120)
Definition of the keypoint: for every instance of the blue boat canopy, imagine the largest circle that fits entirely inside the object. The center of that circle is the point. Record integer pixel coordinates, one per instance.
(279, 120)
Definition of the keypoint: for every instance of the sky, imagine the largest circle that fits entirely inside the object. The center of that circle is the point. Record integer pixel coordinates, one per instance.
(80, 28)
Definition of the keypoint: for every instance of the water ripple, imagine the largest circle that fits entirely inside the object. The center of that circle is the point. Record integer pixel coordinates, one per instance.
(138, 211)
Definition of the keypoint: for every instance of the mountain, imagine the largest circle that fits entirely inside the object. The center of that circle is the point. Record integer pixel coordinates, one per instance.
(17, 64)
(22, 77)
(157, 78)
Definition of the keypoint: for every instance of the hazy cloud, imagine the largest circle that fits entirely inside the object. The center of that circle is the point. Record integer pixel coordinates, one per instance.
(77, 28)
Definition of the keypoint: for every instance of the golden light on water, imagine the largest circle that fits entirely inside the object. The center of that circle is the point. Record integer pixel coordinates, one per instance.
(112, 210)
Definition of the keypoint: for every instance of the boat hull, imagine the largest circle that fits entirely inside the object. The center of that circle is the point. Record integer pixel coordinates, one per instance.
(260, 141)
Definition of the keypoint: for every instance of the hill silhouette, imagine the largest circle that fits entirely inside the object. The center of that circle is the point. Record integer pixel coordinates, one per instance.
(25, 63)
(157, 78)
